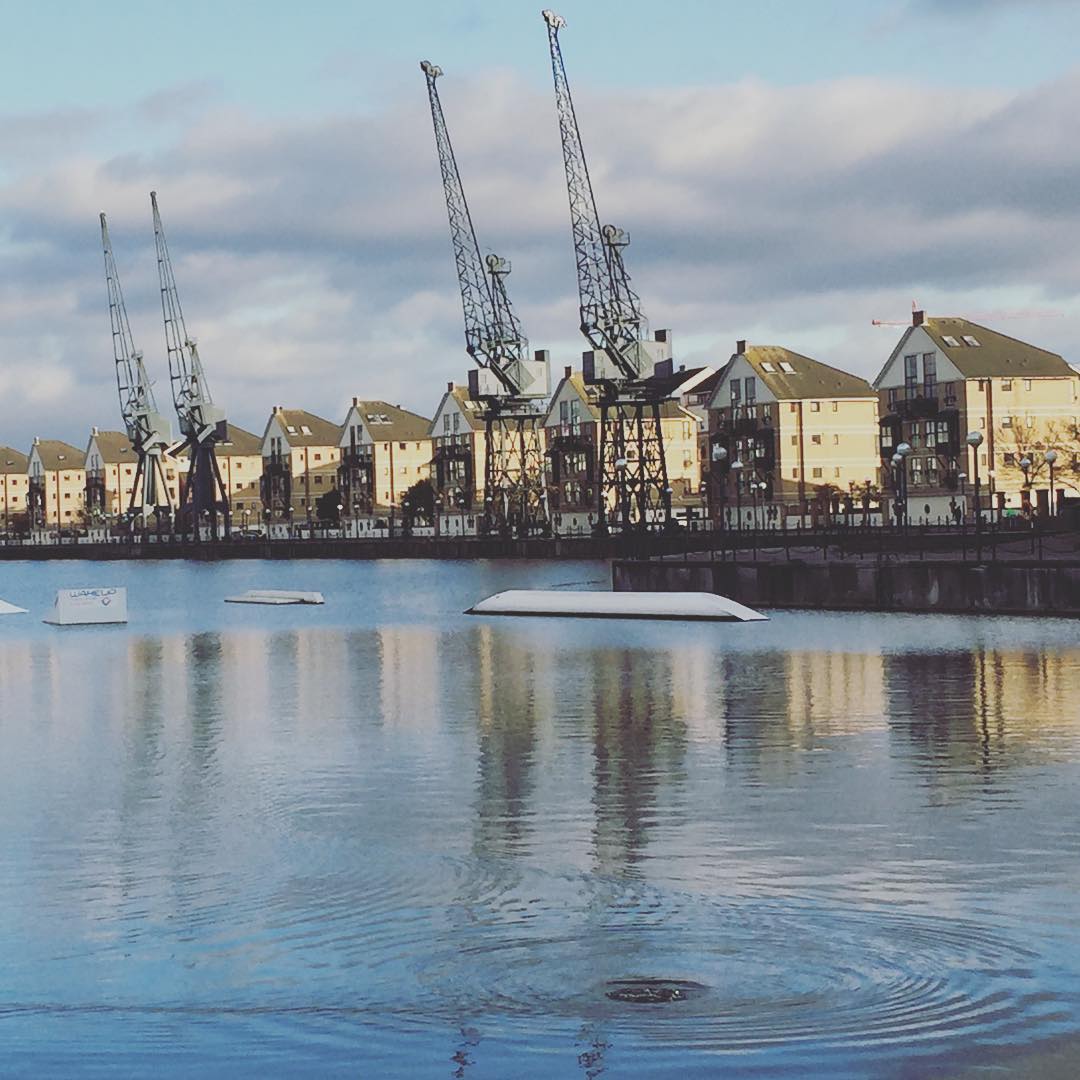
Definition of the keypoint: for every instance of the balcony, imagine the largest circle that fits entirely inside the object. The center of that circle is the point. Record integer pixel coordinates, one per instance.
(917, 408)
(745, 425)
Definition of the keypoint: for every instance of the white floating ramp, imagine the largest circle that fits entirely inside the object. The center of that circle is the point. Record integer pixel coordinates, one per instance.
(616, 605)
(11, 609)
(276, 597)
(88, 607)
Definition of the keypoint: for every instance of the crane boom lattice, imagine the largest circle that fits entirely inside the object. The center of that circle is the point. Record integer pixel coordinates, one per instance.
(147, 429)
(202, 423)
(633, 470)
(509, 382)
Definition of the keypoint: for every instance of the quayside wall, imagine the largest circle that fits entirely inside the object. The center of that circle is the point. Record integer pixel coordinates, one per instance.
(1006, 588)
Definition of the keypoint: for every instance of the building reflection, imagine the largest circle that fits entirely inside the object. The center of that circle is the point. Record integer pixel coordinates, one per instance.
(639, 746)
(969, 714)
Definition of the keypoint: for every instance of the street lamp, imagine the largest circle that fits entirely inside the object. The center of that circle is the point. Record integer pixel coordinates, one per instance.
(737, 468)
(975, 440)
(719, 456)
(1050, 457)
(1025, 464)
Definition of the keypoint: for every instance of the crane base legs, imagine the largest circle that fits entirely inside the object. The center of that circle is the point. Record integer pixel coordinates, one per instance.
(205, 502)
(515, 495)
(635, 495)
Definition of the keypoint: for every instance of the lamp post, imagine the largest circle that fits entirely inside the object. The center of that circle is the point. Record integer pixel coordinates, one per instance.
(898, 505)
(719, 456)
(737, 468)
(975, 440)
(904, 450)
(1050, 457)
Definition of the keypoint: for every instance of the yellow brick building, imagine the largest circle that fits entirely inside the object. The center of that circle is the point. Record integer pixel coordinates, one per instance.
(789, 437)
(14, 490)
(300, 456)
(57, 487)
(948, 378)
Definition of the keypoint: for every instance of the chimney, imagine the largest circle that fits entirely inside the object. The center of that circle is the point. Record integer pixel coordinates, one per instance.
(917, 318)
(567, 371)
(356, 401)
(682, 367)
(450, 387)
(93, 432)
(662, 335)
(740, 347)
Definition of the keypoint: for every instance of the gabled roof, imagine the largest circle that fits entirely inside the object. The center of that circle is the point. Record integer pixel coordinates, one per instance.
(588, 394)
(57, 456)
(995, 354)
(391, 423)
(240, 443)
(685, 380)
(306, 429)
(113, 446)
(790, 376)
(12, 462)
(472, 410)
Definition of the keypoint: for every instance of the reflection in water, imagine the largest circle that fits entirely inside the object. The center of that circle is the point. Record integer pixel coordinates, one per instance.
(443, 842)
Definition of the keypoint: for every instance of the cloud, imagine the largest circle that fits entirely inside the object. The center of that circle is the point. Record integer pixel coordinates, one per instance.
(314, 263)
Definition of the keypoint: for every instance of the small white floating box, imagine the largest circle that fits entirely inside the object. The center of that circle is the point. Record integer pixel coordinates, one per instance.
(88, 607)
(276, 597)
(616, 605)
(11, 609)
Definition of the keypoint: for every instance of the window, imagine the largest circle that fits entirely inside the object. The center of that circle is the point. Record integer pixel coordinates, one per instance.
(793, 407)
(1027, 384)
(929, 372)
(816, 473)
(767, 366)
(836, 406)
(815, 406)
(1010, 459)
(950, 393)
(815, 439)
(893, 395)
(1006, 384)
(786, 368)
(1030, 421)
(750, 384)
(457, 421)
(916, 470)
(318, 480)
(911, 376)
(736, 392)
(1006, 421)
(794, 440)
(950, 341)
(446, 421)
(304, 429)
(932, 470)
(401, 446)
(318, 457)
(969, 340)
(836, 440)
(836, 471)
(794, 474)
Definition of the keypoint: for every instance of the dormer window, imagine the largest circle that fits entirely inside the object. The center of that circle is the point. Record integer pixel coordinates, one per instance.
(291, 430)
(786, 368)
(304, 429)
(969, 340)
(950, 341)
(767, 366)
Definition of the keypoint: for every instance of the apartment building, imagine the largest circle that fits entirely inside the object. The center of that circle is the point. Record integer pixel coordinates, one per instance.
(948, 378)
(14, 490)
(789, 435)
(57, 489)
(240, 462)
(300, 456)
(385, 450)
(458, 446)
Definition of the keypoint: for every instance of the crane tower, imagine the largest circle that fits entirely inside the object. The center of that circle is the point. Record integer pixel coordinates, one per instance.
(202, 423)
(150, 433)
(634, 486)
(509, 384)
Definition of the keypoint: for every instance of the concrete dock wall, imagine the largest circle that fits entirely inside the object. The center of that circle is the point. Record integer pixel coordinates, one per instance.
(944, 586)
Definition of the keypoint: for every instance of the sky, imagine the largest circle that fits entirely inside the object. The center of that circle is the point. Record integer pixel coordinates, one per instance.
(787, 171)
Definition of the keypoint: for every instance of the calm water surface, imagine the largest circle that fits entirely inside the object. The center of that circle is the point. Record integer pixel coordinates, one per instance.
(381, 838)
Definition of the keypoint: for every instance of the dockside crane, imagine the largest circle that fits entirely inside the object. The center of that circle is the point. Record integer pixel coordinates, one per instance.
(202, 423)
(508, 382)
(150, 432)
(633, 471)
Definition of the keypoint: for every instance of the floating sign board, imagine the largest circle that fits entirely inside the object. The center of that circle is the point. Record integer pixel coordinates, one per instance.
(88, 607)
(616, 605)
(276, 596)
(11, 609)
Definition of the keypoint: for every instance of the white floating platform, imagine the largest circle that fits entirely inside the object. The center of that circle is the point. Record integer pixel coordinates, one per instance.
(88, 607)
(11, 609)
(616, 605)
(276, 596)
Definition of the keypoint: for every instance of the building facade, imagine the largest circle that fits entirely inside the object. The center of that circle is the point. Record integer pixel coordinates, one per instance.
(300, 456)
(789, 437)
(385, 450)
(948, 378)
(458, 448)
(14, 490)
(56, 492)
